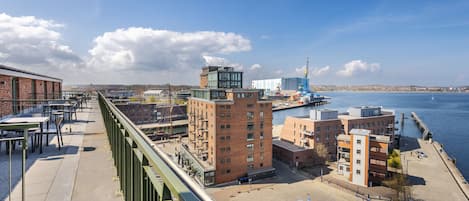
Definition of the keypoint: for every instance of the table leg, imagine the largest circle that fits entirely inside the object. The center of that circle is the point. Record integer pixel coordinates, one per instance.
(40, 140)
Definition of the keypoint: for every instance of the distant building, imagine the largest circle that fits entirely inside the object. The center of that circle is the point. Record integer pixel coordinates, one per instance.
(153, 93)
(230, 129)
(362, 157)
(282, 84)
(16, 85)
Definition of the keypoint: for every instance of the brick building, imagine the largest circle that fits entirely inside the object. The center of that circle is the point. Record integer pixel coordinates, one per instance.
(362, 157)
(320, 127)
(19, 89)
(230, 129)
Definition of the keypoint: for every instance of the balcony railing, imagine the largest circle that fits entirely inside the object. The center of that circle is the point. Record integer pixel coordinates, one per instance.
(145, 172)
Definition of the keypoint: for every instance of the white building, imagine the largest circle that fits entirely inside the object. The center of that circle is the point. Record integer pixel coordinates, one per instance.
(272, 85)
(152, 93)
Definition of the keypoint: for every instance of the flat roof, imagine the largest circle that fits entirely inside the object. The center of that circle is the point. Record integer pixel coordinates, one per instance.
(10, 71)
(288, 146)
(350, 117)
(160, 125)
(357, 131)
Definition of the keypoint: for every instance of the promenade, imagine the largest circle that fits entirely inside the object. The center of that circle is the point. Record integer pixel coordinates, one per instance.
(429, 177)
(82, 170)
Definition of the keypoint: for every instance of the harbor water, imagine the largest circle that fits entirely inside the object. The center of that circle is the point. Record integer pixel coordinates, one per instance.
(446, 114)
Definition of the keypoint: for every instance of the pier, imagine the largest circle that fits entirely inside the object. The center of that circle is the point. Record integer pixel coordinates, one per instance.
(295, 105)
(426, 133)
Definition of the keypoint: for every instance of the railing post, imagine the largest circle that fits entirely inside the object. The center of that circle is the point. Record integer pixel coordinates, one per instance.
(23, 164)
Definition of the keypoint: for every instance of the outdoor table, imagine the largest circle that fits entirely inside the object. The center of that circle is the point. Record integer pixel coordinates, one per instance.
(40, 120)
(59, 106)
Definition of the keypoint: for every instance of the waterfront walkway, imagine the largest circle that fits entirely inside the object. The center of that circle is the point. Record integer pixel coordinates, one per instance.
(82, 170)
(430, 178)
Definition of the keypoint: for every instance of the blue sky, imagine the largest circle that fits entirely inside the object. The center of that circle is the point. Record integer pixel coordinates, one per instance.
(348, 42)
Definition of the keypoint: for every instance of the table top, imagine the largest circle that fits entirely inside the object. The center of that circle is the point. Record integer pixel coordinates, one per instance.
(26, 120)
(59, 104)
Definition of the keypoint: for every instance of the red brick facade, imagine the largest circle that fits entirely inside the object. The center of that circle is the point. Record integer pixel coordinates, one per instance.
(21, 86)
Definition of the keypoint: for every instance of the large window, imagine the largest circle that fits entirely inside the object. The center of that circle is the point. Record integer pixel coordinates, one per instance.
(250, 147)
(250, 116)
(250, 158)
(250, 137)
(250, 126)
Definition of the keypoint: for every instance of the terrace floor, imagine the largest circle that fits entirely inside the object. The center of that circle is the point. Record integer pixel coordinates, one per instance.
(82, 170)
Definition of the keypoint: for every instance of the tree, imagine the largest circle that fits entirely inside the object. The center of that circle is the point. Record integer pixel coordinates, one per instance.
(320, 153)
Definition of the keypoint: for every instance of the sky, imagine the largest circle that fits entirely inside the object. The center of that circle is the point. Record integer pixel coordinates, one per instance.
(158, 42)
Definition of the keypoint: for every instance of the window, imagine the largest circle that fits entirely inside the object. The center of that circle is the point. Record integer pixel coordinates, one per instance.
(250, 166)
(222, 126)
(261, 165)
(318, 129)
(228, 160)
(261, 145)
(262, 125)
(261, 116)
(222, 138)
(261, 136)
(250, 116)
(228, 126)
(222, 161)
(228, 149)
(359, 151)
(250, 147)
(228, 171)
(228, 138)
(250, 137)
(358, 172)
(359, 162)
(262, 156)
(359, 141)
(250, 158)
(250, 126)
(250, 105)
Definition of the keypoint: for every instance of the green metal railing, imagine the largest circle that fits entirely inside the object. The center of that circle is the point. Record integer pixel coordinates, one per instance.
(144, 171)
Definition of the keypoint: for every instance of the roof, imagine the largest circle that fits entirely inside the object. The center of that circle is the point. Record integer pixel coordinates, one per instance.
(288, 146)
(10, 71)
(357, 131)
(152, 92)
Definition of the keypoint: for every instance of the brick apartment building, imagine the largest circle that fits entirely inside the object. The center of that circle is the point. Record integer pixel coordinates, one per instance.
(362, 157)
(323, 126)
(230, 128)
(18, 89)
(320, 127)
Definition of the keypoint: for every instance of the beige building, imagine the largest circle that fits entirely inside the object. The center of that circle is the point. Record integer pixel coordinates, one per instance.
(362, 157)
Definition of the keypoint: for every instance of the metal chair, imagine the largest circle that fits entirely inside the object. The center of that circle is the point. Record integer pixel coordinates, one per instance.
(58, 122)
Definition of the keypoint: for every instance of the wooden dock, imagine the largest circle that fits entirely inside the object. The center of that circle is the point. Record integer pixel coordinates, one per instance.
(426, 133)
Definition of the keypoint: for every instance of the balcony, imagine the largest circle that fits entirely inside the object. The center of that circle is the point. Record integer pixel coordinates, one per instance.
(100, 138)
(307, 133)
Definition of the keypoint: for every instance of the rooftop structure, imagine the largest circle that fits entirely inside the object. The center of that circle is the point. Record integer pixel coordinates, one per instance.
(220, 77)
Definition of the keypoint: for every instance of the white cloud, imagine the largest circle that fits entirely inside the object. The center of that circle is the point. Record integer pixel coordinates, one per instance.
(219, 61)
(357, 66)
(34, 43)
(320, 71)
(255, 66)
(145, 48)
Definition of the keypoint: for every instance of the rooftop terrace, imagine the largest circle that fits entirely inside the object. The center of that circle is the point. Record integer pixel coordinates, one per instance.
(104, 157)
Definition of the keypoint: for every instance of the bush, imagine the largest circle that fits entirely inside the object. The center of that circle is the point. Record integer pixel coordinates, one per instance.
(394, 159)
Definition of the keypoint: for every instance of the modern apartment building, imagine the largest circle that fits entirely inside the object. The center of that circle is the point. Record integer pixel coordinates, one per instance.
(362, 157)
(320, 127)
(230, 129)
(19, 89)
